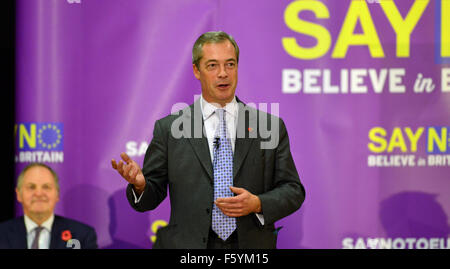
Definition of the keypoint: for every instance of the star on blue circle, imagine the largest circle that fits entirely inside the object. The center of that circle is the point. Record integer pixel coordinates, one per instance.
(49, 136)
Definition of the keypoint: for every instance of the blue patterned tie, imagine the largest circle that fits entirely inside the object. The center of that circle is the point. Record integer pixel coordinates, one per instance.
(223, 178)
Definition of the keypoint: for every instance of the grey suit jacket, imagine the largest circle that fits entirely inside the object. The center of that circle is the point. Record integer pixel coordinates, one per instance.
(184, 165)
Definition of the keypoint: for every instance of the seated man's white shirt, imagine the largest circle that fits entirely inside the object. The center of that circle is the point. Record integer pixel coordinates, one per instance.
(44, 236)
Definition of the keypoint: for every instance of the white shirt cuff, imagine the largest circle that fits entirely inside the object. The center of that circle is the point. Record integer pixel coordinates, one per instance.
(260, 218)
(136, 200)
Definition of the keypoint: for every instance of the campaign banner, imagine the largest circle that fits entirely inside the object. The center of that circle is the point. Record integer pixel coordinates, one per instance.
(362, 86)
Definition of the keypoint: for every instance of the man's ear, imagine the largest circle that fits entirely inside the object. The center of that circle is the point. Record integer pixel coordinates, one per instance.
(196, 71)
(18, 196)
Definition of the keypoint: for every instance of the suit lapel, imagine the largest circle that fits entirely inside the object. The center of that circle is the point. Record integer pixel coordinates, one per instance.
(201, 148)
(198, 141)
(56, 241)
(246, 123)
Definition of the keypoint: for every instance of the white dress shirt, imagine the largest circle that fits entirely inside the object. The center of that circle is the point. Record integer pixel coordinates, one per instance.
(211, 122)
(45, 235)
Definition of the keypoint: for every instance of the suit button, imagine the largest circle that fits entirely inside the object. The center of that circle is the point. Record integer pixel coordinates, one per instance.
(207, 211)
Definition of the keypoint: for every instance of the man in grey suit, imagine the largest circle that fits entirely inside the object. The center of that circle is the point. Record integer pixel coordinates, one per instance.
(230, 178)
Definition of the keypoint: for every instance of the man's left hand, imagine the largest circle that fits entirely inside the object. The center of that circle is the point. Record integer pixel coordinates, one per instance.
(240, 205)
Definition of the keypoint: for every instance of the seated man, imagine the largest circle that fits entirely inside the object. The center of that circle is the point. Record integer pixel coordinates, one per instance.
(38, 192)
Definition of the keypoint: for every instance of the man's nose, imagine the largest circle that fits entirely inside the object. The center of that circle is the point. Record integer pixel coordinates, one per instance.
(38, 192)
(222, 72)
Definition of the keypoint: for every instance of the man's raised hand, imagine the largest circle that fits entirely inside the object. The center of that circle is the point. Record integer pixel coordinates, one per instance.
(130, 171)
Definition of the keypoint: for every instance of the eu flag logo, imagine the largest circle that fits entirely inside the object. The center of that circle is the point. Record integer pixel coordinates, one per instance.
(40, 136)
(50, 136)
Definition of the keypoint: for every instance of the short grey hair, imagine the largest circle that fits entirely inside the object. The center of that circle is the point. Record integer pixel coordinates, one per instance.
(211, 37)
(31, 165)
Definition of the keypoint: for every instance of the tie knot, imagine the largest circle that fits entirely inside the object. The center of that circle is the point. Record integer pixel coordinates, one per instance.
(38, 229)
(221, 113)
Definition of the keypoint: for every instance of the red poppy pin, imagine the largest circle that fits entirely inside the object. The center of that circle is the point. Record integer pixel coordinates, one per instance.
(250, 129)
(66, 235)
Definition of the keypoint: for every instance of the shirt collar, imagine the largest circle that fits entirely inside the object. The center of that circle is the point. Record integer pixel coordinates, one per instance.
(208, 109)
(30, 225)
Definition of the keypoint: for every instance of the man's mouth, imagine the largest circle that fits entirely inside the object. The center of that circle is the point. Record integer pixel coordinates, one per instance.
(223, 86)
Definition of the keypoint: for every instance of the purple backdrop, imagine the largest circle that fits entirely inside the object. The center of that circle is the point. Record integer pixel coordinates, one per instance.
(94, 75)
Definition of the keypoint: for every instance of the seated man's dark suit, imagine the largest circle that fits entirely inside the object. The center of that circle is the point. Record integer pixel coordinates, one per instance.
(13, 234)
(184, 165)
